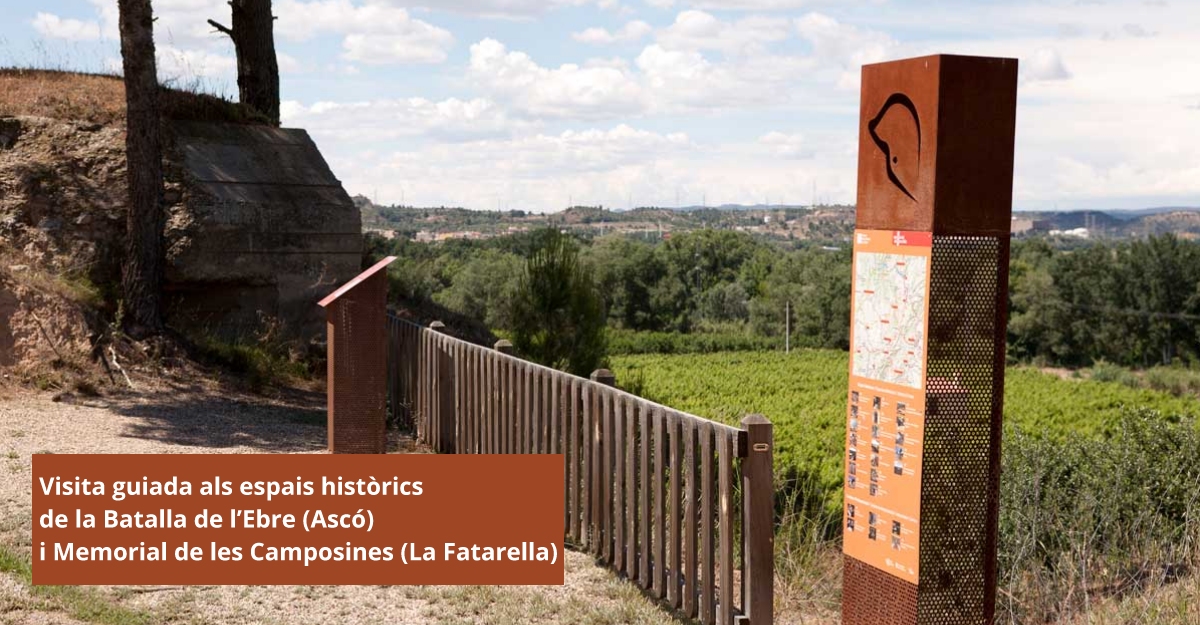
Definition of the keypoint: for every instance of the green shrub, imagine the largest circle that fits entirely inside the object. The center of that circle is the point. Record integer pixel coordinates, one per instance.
(1081, 519)
(1104, 371)
(1103, 499)
(1174, 380)
(256, 365)
(804, 393)
(558, 317)
(261, 359)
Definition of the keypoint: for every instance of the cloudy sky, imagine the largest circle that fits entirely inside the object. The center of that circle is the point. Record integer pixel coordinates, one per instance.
(532, 104)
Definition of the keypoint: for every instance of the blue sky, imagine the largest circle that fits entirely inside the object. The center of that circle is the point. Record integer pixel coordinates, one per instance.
(531, 104)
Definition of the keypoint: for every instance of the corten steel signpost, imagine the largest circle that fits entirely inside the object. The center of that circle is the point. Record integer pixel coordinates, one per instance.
(928, 321)
(356, 322)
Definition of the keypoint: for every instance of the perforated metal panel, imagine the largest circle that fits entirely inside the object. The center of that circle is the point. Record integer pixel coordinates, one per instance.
(357, 374)
(875, 597)
(964, 391)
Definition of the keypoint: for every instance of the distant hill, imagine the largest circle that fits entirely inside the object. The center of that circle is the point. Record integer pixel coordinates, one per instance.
(1122, 223)
(1070, 220)
(741, 207)
(823, 224)
(1134, 213)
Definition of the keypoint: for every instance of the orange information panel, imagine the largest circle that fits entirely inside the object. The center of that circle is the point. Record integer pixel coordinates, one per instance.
(297, 519)
(885, 416)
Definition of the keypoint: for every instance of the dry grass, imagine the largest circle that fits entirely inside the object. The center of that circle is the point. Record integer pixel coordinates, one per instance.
(100, 99)
(92, 98)
(808, 583)
(1174, 604)
(69, 286)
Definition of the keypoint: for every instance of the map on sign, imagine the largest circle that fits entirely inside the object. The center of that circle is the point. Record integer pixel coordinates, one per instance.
(889, 317)
(885, 416)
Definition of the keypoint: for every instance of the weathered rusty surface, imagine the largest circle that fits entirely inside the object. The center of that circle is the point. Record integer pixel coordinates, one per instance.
(870, 595)
(356, 321)
(964, 392)
(943, 127)
(936, 155)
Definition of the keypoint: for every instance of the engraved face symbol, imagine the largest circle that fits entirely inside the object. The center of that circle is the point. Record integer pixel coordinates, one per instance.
(896, 131)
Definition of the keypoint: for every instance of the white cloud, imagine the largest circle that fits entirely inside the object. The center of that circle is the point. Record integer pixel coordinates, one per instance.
(288, 64)
(55, 27)
(1044, 65)
(685, 80)
(1137, 30)
(374, 33)
(631, 31)
(412, 47)
(541, 172)
(725, 78)
(1109, 136)
(697, 30)
(786, 145)
(193, 67)
(661, 80)
(1068, 148)
(109, 18)
(844, 48)
(188, 51)
(751, 5)
(496, 8)
(184, 24)
(596, 91)
(356, 123)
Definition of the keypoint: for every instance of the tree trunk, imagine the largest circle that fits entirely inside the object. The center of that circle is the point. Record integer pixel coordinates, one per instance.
(141, 279)
(253, 35)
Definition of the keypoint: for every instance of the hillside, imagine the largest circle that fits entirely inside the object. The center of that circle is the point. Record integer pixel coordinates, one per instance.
(830, 225)
(1183, 221)
(822, 224)
(62, 222)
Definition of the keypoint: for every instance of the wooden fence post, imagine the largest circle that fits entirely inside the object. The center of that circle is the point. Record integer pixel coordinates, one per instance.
(504, 346)
(758, 502)
(600, 536)
(445, 424)
(605, 377)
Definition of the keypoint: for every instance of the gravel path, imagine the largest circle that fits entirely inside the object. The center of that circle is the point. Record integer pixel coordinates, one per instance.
(195, 419)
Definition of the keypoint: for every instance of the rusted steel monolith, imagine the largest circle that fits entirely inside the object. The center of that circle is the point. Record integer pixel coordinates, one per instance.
(356, 322)
(931, 246)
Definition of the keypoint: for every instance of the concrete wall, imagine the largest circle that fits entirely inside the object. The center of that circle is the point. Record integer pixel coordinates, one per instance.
(261, 229)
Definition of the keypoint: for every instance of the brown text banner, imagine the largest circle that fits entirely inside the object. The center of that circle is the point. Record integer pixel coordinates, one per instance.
(297, 519)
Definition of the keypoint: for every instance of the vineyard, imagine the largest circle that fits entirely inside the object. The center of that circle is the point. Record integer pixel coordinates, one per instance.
(803, 394)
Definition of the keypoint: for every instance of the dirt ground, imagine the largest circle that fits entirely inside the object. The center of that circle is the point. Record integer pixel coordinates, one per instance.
(194, 419)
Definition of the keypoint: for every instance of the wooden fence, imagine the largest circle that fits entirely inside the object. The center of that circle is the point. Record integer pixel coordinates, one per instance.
(680, 505)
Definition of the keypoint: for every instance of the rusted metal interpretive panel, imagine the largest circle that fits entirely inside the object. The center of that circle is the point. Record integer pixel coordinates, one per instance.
(357, 363)
(927, 340)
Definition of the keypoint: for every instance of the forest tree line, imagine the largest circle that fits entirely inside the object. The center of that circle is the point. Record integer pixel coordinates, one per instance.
(1130, 302)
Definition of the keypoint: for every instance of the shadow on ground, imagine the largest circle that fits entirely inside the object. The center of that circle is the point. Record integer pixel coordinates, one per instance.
(293, 421)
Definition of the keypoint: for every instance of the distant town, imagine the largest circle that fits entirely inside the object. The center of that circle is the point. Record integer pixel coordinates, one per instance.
(814, 224)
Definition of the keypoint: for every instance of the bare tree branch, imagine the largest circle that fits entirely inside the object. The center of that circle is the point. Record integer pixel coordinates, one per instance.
(220, 28)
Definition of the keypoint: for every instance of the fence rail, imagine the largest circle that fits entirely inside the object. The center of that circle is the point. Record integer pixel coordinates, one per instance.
(680, 505)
